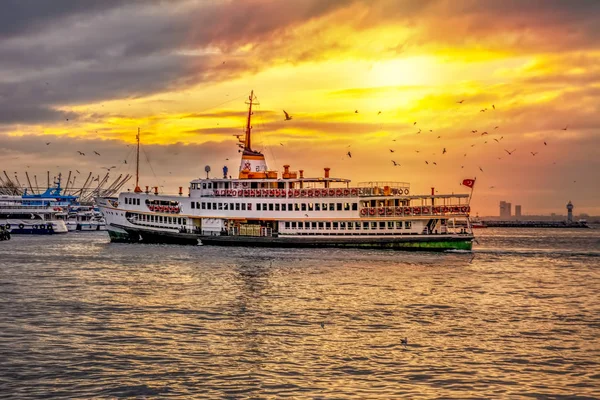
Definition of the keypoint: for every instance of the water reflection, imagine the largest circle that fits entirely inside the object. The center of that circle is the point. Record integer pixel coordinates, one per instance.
(157, 321)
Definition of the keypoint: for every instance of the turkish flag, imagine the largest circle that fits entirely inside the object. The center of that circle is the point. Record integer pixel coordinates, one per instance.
(469, 183)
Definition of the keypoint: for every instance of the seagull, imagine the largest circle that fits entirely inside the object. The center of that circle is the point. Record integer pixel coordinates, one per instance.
(418, 151)
(355, 111)
(391, 151)
(460, 102)
(426, 162)
(349, 154)
(475, 131)
(533, 154)
(482, 110)
(77, 171)
(462, 166)
(481, 169)
(510, 152)
(434, 163)
(444, 151)
(439, 137)
(565, 128)
(497, 140)
(379, 113)
(496, 127)
(323, 325)
(491, 187)
(414, 123)
(95, 152)
(545, 144)
(484, 133)
(287, 116)
(395, 163)
(306, 215)
(493, 106)
(404, 342)
(81, 153)
(472, 145)
(67, 119)
(48, 143)
(124, 161)
(281, 144)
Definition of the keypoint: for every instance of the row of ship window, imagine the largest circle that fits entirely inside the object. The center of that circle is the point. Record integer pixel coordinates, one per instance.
(349, 225)
(131, 201)
(276, 206)
(160, 219)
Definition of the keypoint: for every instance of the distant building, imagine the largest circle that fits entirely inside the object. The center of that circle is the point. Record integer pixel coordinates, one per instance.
(570, 212)
(518, 211)
(505, 209)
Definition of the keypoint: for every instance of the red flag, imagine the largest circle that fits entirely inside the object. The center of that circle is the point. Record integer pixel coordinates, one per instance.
(469, 183)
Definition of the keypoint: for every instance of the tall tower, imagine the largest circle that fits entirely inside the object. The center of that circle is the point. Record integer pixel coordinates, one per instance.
(569, 212)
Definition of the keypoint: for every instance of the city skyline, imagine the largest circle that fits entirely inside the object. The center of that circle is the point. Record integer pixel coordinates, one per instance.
(410, 82)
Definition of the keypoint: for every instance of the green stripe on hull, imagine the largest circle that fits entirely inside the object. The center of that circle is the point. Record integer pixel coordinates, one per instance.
(428, 246)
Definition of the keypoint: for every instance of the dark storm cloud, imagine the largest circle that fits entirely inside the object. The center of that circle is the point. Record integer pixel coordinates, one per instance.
(68, 52)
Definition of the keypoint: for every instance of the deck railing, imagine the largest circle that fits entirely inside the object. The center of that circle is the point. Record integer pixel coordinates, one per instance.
(310, 192)
(414, 211)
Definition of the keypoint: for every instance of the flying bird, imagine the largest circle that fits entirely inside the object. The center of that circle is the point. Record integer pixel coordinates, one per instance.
(95, 152)
(323, 325)
(565, 128)
(496, 127)
(281, 144)
(77, 171)
(434, 163)
(510, 152)
(48, 143)
(414, 123)
(444, 151)
(124, 161)
(418, 151)
(391, 151)
(493, 106)
(404, 342)
(439, 137)
(533, 154)
(472, 145)
(287, 116)
(349, 154)
(484, 133)
(355, 111)
(475, 131)
(497, 140)
(379, 113)
(482, 110)
(81, 153)
(545, 144)
(426, 162)
(481, 169)
(395, 163)
(460, 102)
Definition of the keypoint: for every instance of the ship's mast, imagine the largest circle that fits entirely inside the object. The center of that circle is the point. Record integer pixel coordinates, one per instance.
(248, 141)
(137, 165)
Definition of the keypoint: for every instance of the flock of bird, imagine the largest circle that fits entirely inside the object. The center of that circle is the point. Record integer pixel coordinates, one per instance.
(395, 163)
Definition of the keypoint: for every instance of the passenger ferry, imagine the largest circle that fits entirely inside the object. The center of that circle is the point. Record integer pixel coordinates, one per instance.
(19, 216)
(84, 219)
(261, 207)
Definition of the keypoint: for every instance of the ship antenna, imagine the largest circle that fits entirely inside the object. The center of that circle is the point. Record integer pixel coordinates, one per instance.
(137, 165)
(248, 141)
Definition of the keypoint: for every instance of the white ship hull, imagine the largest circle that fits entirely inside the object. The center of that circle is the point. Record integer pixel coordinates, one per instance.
(35, 227)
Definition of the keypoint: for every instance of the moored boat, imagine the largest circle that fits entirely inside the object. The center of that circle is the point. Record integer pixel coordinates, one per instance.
(264, 208)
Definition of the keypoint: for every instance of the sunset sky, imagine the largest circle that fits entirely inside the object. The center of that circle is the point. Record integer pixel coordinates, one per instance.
(84, 75)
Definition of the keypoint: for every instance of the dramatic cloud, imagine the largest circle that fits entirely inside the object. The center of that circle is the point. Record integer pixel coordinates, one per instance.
(86, 75)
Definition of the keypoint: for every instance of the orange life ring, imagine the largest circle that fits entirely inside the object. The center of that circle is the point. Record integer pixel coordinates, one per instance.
(371, 211)
(389, 211)
(363, 211)
(354, 192)
(463, 209)
(407, 210)
(468, 208)
(381, 211)
(290, 193)
(310, 193)
(271, 193)
(435, 210)
(425, 210)
(265, 192)
(324, 192)
(252, 193)
(416, 210)
(246, 192)
(338, 192)
(445, 209)
(346, 192)
(296, 193)
(317, 192)
(455, 209)
(303, 192)
(331, 192)
(398, 211)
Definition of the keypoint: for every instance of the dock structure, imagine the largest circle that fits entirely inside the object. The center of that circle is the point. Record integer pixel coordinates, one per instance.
(536, 224)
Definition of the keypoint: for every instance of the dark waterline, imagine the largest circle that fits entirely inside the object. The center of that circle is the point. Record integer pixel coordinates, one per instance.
(80, 317)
